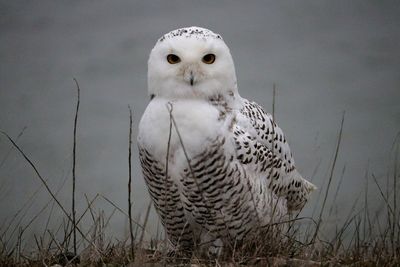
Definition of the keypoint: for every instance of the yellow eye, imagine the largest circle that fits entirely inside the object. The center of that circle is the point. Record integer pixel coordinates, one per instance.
(209, 59)
(173, 59)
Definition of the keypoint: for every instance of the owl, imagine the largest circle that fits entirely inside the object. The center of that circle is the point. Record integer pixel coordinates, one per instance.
(216, 165)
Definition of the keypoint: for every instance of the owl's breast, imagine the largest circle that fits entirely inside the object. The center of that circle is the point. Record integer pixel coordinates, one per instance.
(197, 122)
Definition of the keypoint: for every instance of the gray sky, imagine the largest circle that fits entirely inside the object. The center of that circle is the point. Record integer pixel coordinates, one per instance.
(324, 56)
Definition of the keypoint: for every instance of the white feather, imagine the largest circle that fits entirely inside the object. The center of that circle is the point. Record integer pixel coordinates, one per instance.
(208, 107)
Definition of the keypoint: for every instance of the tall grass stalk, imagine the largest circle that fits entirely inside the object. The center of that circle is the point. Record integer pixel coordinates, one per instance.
(74, 163)
(330, 179)
(130, 185)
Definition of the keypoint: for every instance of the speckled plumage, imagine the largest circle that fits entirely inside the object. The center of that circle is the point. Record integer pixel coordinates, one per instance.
(216, 165)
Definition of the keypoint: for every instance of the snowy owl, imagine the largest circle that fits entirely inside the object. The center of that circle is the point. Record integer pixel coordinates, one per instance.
(216, 165)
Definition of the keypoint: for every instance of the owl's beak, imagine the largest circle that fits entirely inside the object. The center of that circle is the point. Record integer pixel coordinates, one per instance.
(191, 78)
(190, 75)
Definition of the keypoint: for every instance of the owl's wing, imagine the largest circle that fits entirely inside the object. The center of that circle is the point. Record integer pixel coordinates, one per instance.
(263, 148)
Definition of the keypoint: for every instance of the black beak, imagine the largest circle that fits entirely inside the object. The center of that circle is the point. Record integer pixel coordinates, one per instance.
(191, 78)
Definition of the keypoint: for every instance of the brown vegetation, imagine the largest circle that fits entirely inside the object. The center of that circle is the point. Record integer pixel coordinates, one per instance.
(362, 240)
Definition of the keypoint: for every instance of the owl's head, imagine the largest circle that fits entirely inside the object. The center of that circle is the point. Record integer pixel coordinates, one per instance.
(190, 63)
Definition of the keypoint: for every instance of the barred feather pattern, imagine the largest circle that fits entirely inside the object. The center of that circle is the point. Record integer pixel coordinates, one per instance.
(268, 153)
(237, 184)
(217, 201)
(167, 200)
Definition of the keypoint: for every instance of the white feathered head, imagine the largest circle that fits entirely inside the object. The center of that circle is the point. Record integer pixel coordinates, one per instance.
(190, 62)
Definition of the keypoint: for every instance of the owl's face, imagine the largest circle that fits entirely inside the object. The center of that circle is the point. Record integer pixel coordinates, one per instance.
(190, 63)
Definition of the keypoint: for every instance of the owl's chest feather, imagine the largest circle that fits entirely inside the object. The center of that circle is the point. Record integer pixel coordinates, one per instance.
(196, 121)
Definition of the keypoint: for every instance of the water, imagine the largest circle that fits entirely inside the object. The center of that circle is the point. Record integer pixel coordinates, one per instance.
(324, 58)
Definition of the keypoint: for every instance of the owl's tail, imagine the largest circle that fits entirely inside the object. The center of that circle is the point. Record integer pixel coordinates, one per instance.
(298, 192)
(309, 186)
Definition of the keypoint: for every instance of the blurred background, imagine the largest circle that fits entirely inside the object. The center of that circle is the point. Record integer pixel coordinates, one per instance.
(325, 57)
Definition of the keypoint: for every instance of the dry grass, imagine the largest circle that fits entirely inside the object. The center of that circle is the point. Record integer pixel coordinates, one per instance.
(363, 238)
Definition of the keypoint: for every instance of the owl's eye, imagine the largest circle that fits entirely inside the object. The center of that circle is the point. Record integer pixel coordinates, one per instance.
(173, 59)
(208, 59)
